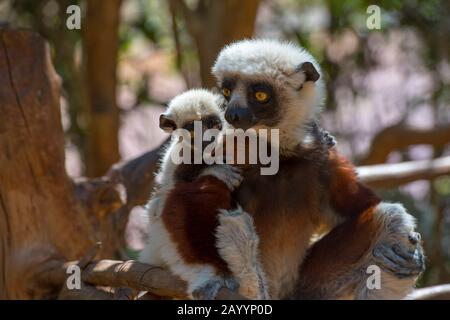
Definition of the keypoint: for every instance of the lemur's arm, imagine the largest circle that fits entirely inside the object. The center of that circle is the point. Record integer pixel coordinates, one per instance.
(322, 137)
(229, 175)
(371, 233)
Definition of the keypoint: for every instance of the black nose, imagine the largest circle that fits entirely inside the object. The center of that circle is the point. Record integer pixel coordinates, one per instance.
(239, 117)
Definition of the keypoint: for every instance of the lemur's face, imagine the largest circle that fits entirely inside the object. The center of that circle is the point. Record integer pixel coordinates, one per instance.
(250, 102)
(262, 101)
(209, 121)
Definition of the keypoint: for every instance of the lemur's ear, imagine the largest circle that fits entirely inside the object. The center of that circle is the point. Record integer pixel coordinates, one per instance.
(310, 71)
(167, 123)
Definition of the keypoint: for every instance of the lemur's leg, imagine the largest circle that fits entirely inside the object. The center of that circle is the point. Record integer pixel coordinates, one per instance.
(372, 233)
(202, 280)
(336, 266)
(151, 253)
(397, 252)
(237, 242)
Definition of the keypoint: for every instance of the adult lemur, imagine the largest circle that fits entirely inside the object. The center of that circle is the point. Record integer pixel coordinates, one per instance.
(271, 84)
(192, 205)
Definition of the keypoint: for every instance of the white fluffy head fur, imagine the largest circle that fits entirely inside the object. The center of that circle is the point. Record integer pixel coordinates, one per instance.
(261, 56)
(194, 104)
(277, 62)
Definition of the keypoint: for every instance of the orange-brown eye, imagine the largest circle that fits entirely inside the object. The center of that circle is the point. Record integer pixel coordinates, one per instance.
(226, 92)
(261, 96)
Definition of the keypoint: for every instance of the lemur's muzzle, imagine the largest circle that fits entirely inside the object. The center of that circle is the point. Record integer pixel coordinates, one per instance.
(239, 117)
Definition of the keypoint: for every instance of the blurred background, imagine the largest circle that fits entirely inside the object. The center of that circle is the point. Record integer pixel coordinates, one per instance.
(388, 89)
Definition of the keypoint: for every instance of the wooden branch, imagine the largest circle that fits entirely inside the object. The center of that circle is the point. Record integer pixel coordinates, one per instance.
(118, 274)
(86, 292)
(399, 136)
(393, 175)
(440, 292)
(136, 176)
(100, 196)
(157, 281)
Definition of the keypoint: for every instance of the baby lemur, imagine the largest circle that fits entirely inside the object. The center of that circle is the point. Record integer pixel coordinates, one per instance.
(192, 205)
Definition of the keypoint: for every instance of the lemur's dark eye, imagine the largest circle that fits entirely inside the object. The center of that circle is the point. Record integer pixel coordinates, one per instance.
(261, 96)
(226, 92)
(213, 123)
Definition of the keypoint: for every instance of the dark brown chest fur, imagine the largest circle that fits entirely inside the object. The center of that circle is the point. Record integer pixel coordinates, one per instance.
(286, 208)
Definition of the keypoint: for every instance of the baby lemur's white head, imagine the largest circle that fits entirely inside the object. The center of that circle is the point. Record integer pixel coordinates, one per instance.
(193, 105)
(270, 84)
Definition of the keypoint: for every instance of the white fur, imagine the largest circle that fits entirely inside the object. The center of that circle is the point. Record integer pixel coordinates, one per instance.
(237, 242)
(161, 251)
(230, 175)
(263, 57)
(193, 105)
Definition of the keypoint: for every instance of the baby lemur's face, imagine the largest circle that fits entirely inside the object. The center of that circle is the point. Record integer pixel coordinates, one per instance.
(207, 122)
(211, 121)
(194, 106)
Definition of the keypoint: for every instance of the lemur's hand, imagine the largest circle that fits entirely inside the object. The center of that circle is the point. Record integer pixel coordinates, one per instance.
(209, 290)
(230, 175)
(400, 253)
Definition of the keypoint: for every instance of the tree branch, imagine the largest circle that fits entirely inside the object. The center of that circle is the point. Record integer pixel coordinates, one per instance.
(400, 136)
(393, 175)
(118, 274)
(137, 176)
(441, 292)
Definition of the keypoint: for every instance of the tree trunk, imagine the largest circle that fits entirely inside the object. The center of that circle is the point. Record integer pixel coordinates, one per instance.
(100, 48)
(46, 219)
(230, 20)
(43, 214)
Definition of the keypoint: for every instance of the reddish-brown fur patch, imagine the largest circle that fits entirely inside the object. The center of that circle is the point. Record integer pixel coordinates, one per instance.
(190, 216)
(348, 196)
(336, 255)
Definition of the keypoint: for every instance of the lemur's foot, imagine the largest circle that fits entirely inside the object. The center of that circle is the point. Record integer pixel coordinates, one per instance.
(238, 227)
(230, 175)
(400, 252)
(403, 261)
(237, 242)
(209, 290)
